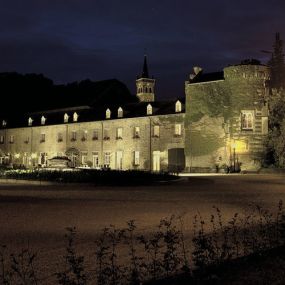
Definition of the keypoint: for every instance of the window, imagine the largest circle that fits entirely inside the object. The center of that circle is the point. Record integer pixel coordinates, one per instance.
(95, 135)
(65, 118)
(75, 117)
(106, 134)
(4, 123)
(120, 113)
(84, 136)
(73, 136)
(43, 138)
(83, 157)
(95, 155)
(177, 131)
(247, 120)
(108, 114)
(12, 139)
(27, 140)
(136, 158)
(59, 137)
(107, 159)
(178, 107)
(1, 139)
(119, 133)
(43, 120)
(156, 131)
(149, 109)
(30, 122)
(136, 132)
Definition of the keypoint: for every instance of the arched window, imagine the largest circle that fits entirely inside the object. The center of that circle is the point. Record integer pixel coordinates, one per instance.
(149, 109)
(30, 121)
(43, 120)
(247, 120)
(75, 117)
(178, 107)
(65, 118)
(108, 113)
(120, 112)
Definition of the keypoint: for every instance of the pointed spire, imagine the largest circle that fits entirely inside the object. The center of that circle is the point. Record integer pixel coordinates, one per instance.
(145, 68)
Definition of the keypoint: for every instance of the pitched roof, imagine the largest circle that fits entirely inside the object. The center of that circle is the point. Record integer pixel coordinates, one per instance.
(207, 77)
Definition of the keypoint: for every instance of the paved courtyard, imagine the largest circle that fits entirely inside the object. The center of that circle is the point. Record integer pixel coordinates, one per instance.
(37, 215)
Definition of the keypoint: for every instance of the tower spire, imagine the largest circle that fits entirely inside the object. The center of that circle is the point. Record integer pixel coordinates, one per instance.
(145, 68)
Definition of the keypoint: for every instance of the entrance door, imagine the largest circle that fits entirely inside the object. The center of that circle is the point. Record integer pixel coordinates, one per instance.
(73, 159)
(156, 161)
(43, 158)
(119, 160)
(95, 160)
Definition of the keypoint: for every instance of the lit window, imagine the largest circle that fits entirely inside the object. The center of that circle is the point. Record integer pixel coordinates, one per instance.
(84, 135)
(4, 123)
(83, 157)
(107, 158)
(43, 120)
(178, 107)
(149, 109)
(75, 117)
(1, 139)
(95, 155)
(120, 113)
(156, 131)
(247, 120)
(137, 132)
(30, 121)
(95, 135)
(65, 118)
(136, 158)
(177, 131)
(43, 138)
(73, 136)
(108, 114)
(59, 137)
(119, 133)
(12, 139)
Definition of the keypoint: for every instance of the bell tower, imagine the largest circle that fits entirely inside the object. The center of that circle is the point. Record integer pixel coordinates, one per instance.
(145, 85)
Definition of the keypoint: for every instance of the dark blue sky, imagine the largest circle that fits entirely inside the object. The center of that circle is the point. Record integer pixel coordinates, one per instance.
(70, 40)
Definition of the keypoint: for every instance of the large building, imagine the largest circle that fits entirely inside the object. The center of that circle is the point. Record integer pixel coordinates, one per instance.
(221, 122)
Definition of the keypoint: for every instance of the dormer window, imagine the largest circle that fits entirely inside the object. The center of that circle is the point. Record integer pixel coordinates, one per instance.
(75, 117)
(65, 118)
(4, 123)
(149, 109)
(30, 122)
(43, 120)
(178, 107)
(120, 113)
(108, 114)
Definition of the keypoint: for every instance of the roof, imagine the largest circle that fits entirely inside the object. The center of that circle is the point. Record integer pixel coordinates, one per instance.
(207, 77)
(96, 113)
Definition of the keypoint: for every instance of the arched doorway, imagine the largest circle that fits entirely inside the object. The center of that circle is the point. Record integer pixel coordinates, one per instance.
(73, 155)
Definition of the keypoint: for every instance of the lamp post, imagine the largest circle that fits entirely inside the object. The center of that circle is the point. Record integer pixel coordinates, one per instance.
(234, 155)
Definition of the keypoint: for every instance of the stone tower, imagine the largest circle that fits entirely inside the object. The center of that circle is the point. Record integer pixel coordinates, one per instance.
(145, 85)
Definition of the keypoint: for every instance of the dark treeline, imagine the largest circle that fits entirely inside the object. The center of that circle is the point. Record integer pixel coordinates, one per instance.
(34, 92)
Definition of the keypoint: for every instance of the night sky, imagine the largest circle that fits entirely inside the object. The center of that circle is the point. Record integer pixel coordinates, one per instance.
(70, 40)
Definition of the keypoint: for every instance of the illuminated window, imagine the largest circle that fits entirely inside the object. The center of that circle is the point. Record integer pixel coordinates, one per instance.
(136, 157)
(247, 120)
(1, 139)
(95, 156)
(119, 133)
(75, 117)
(120, 113)
(4, 123)
(65, 118)
(43, 120)
(84, 157)
(95, 135)
(108, 114)
(73, 136)
(149, 109)
(30, 121)
(136, 132)
(84, 135)
(178, 107)
(12, 139)
(59, 137)
(178, 129)
(107, 158)
(156, 131)
(43, 138)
